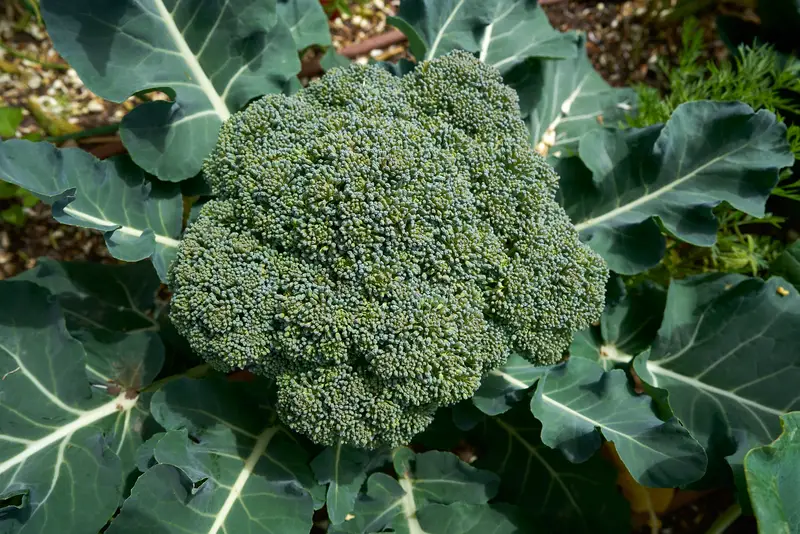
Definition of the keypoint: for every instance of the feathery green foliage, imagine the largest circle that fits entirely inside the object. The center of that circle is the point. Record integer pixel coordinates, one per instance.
(761, 78)
(377, 245)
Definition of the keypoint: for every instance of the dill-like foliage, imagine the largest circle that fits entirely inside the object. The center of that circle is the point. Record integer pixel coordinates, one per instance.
(762, 78)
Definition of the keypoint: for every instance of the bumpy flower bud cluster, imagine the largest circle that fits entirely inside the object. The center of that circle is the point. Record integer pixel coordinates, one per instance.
(377, 245)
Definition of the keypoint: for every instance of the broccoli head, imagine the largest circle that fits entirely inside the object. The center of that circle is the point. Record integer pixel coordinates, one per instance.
(378, 244)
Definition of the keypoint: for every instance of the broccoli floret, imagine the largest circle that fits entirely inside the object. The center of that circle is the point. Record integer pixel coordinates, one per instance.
(377, 245)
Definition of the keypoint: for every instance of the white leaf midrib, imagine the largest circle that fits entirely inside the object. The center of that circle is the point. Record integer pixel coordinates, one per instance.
(259, 447)
(666, 188)
(656, 369)
(195, 69)
(87, 418)
(410, 506)
(127, 230)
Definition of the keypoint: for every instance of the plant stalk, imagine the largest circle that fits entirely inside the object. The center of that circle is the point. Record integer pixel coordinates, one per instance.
(724, 521)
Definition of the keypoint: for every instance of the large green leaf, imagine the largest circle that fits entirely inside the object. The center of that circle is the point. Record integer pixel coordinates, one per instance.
(502, 32)
(432, 477)
(223, 465)
(773, 479)
(627, 326)
(118, 298)
(561, 100)
(344, 469)
(503, 387)
(577, 402)
(723, 356)
(139, 217)
(566, 497)
(212, 57)
(307, 22)
(59, 437)
(708, 152)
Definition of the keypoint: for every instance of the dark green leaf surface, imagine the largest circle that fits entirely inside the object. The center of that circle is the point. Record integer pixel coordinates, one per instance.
(787, 265)
(118, 298)
(569, 498)
(222, 466)
(627, 327)
(773, 479)
(212, 56)
(708, 152)
(140, 218)
(725, 352)
(501, 388)
(502, 33)
(307, 22)
(433, 477)
(472, 519)
(578, 401)
(561, 100)
(60, 437)
(344, 469)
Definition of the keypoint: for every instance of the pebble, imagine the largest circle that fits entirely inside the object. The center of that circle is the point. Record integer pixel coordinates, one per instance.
(34, 81)
(95, 106)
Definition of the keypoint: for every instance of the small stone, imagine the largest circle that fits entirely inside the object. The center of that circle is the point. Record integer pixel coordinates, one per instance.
(34, 81)
(95, 107)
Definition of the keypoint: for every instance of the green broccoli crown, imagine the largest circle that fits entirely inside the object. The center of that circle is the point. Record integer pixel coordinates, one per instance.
(378, 244)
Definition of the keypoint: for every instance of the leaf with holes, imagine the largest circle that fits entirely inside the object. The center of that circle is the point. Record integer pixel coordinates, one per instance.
(223, 465)
(577, 402)
(548, 488)
(561, 100)
(707, 153)
(59, 437)
(432, 477)
(307, 22)
(773, 479)
(502, 33)
(210, 57)
(139, 217)
(723, 356)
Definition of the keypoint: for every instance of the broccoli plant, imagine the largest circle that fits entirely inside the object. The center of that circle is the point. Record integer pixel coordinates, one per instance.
(400, 300)
(377, 244)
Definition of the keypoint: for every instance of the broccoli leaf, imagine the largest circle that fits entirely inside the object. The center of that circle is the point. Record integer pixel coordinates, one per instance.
(577, 401)
(473, 519)
(708, 152)
(561, 100)
(432, 477)
(140, 218)
(307, 22)
(344, 469)
(221, 466)
(210, 57)
(773, 477)
(119, 298)
(548, 488)
(787, 265)
(57, 431)
(627, 327)
(502, 33)
(501, 388)
(723, 355)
